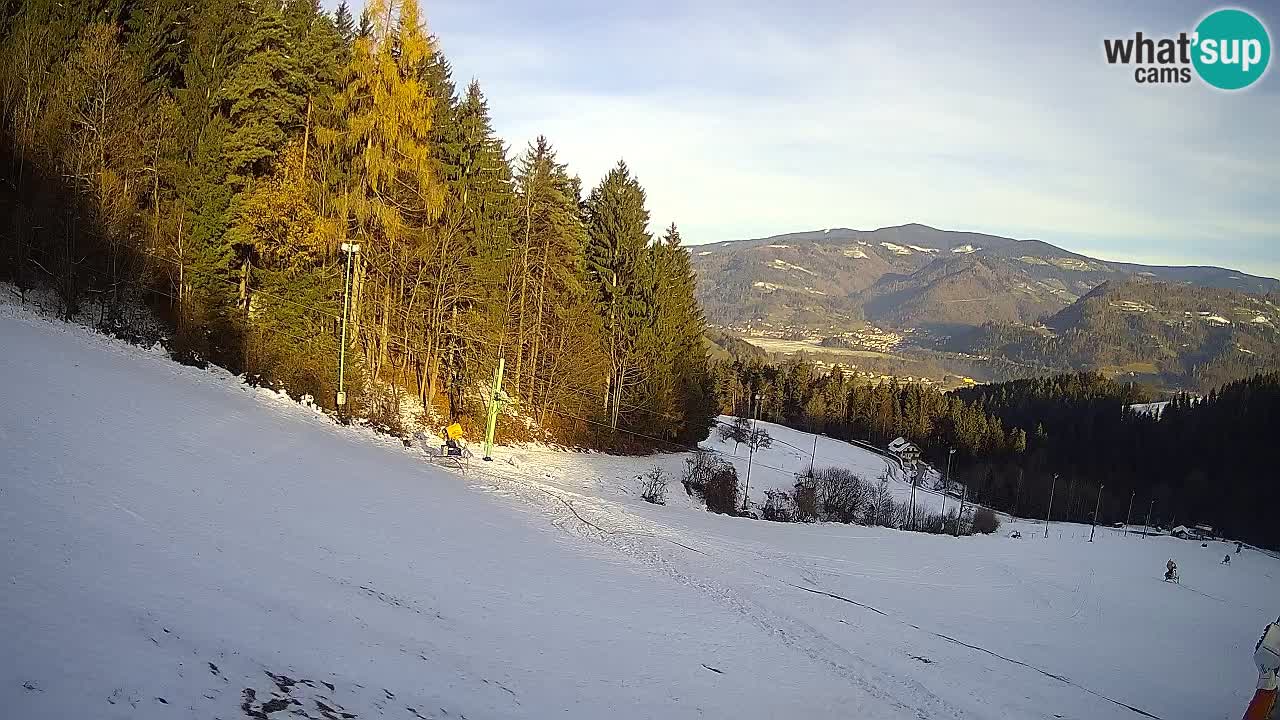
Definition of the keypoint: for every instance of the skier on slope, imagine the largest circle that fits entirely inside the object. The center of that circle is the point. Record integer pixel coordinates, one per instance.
(1171, 570)
(1226, 559)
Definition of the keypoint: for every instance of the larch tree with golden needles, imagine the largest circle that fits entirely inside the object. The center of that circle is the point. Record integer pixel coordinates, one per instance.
(393, 190)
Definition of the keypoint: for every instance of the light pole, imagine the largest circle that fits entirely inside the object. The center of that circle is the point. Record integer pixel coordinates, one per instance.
(351, 249)
(915, 480)
(751, 452)
(813, 456)
(946, 484)
(1096, 508)
(1071, 493)
(1052, 489)
(1151, 507)
(1017, 499)
(1129, 514)
(964, 497)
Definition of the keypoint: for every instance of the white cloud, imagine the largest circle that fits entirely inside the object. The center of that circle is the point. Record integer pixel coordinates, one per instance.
(742, 123)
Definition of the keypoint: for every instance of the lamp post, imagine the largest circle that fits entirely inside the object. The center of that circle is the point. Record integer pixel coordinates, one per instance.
(751, 454)
(1096, 508)
(915, 480)
(946, 485)
(1129, 514)
(351, 249)
(1017, 499)
(813, 456)
(1052, 488)
(1151, 507)
(964, 497)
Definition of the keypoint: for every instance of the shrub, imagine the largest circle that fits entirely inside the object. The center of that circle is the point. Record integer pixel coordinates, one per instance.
(881, 509)
(805, 499)
(712, 479)
(383, 409)
(721, 490)
(698, 468)
(984, 521)
(778, 507)
(934, 523)
(653, 486)
(840, 495)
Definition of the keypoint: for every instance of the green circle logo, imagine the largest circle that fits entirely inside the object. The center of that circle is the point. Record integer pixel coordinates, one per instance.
(1232, 49)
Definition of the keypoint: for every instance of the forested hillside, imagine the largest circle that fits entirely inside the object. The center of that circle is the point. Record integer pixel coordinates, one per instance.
(1207, 461)
(1179, 334)
(212, 160)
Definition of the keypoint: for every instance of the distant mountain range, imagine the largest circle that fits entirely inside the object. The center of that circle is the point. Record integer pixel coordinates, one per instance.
(913, 277)
(1180, 335)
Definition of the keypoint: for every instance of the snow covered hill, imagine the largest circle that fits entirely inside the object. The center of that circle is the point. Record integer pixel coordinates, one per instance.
(176, 544)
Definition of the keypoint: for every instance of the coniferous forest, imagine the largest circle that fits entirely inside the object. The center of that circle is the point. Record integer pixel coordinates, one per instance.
(1203, 460)
(211, 160)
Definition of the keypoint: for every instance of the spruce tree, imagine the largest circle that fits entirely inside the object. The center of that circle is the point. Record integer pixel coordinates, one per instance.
(620, 271)
(344, 24)
(690, 404)
(264, 97)
(156, 34)
(553, 326)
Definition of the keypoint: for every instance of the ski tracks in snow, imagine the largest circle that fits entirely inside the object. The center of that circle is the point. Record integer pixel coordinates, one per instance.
(608, 524)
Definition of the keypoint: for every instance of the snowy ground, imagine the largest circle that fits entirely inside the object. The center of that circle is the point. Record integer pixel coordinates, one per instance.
(772, 468)
(175, 544)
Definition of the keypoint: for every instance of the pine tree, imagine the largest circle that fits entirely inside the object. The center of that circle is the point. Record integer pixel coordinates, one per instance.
(283, 235)
(682, 391)
(345, 24)
(156, 35)
(553, 327)
(366, 27)
(209, 324)
(619, 269)
(264, 96)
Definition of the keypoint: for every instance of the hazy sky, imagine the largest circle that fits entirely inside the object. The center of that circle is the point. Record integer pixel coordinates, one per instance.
(748, 118)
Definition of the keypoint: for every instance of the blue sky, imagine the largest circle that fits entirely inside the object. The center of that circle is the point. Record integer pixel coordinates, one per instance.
(754, 117)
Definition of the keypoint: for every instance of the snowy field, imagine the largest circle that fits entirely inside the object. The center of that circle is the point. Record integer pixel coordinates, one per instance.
(175, 544)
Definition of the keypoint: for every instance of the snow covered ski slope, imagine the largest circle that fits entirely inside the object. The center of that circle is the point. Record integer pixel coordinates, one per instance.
(174, 544)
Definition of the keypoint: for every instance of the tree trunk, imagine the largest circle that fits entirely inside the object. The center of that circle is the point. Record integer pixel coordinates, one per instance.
(537, 322)
(384, 330)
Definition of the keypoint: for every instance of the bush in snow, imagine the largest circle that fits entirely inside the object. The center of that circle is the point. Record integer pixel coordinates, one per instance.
(653, 486)
(805, 499)
(721, 489)
(712, 479)
(881, 509)
(698, 468)
(840, 495)
(939, 524)
(778, 506)
(383, 409)
(984, 521)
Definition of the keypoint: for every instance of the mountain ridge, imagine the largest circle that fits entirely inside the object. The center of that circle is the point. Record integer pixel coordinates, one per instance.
(1184, 335)
(913, 276)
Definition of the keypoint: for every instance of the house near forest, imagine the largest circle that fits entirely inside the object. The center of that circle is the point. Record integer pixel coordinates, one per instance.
(906, 451)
